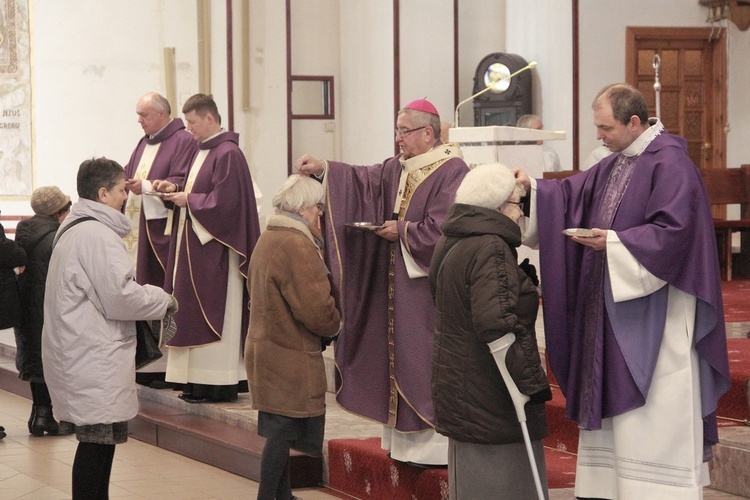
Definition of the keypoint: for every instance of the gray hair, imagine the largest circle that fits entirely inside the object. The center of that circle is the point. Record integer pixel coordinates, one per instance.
(422, 119)
(487, 186)
(158, 102)
(298, 192)
(525, 121)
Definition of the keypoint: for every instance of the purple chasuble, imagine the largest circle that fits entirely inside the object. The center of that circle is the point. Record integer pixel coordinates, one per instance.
(222, 200)
(664, 219)
(359, 262)
(171, 163)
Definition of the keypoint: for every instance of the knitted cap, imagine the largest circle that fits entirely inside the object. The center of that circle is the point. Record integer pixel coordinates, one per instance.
(422, 105)
(48, 200)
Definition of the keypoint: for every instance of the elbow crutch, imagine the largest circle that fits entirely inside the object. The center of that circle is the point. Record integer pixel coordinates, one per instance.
(499, 348)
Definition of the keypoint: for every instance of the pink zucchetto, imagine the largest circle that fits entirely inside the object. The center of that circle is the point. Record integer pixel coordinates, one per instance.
(422, 105)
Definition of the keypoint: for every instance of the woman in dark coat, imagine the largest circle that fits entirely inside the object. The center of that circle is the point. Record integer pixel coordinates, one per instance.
(35, 235)
(12, 256)
(481, 295)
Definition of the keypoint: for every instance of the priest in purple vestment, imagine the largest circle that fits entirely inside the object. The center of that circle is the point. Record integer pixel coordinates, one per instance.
(164, 152)
(379, 274)
(633, 311)
(213, 237)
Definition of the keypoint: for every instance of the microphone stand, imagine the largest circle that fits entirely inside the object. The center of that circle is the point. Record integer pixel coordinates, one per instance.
(490, 86)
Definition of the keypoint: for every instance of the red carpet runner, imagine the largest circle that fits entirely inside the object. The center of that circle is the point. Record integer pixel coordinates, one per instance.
(360, 468)
(736, 295)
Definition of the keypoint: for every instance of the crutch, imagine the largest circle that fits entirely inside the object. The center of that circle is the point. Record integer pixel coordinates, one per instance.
(499, 349)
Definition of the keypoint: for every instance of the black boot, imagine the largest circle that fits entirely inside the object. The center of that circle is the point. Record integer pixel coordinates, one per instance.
(44, 421)
(31, 418)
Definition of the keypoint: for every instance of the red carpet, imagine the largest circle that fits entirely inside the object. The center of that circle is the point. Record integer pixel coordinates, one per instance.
(360, 468)
(734, 404)
(736, 295)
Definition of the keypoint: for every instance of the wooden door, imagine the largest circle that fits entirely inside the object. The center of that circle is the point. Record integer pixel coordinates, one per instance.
(693, 85)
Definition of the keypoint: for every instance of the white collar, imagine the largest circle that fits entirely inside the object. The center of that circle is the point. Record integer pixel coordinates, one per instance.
(639, 145)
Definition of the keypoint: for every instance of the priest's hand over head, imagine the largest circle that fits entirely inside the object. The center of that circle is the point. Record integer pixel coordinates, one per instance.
(521, 177)
(309, 165)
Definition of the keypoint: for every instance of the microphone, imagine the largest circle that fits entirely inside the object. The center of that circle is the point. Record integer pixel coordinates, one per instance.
(491, 86)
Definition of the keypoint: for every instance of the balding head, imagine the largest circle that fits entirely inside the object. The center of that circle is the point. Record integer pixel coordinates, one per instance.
(153, 112)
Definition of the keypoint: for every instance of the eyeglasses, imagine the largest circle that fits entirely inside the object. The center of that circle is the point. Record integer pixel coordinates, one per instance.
(321, 207)
(519, 203)
(405, 133)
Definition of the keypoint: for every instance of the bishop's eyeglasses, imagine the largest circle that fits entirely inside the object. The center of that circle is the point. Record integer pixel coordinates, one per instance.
(404, 133)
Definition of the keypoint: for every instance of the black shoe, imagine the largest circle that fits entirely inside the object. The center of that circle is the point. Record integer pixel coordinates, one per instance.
(161, 384)
(189, 398)
(44, 421)
(2, 432)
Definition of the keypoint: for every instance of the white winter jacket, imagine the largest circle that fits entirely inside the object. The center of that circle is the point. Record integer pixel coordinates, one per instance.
(90, 304)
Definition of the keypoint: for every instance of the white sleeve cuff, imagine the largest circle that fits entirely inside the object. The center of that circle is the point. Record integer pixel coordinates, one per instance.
(528, 225)
(630, 280)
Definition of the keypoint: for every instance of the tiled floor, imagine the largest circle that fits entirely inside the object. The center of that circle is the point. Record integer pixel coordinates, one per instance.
(40, 468)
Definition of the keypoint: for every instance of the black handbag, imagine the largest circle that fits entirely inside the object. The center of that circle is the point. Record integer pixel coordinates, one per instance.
(147, 344)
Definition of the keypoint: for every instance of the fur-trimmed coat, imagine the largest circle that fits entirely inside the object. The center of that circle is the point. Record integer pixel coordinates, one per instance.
(291, 308)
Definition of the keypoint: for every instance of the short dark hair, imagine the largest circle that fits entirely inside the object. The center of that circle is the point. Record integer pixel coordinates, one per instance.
(95, 174)
(202, 104)
(625, 100)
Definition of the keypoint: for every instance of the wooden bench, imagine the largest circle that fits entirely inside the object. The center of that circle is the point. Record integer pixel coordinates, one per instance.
(728, 186)
(14, 220)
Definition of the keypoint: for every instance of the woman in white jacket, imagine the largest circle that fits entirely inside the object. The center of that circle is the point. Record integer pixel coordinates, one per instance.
(88, 342)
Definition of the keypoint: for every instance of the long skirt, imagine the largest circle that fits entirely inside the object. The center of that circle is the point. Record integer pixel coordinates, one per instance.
(498, 471)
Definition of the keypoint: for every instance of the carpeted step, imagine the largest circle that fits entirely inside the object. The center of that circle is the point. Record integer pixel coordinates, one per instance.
(563, 433)
(735, 404)
(359, 467)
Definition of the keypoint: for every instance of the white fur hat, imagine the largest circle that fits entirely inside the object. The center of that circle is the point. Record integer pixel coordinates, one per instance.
(487, 186)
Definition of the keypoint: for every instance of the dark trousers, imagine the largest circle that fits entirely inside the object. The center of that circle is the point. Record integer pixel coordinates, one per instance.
(275, 482)
(91, 469)
(40, 394)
